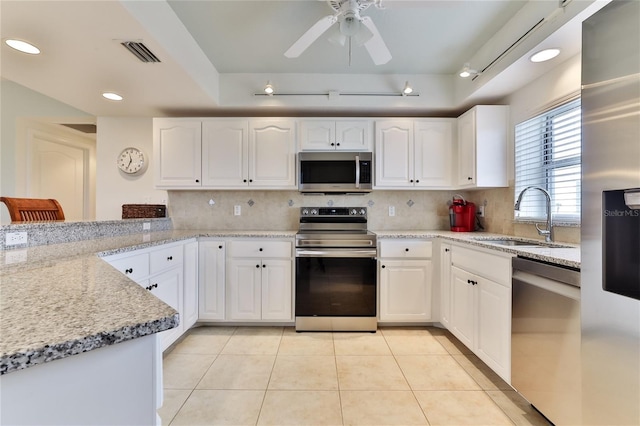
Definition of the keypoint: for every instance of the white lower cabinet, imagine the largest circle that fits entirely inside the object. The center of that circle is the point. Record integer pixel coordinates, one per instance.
(445, 284)
(168, 287)
(480, 305)
(404, 271)
(211, 279)
(190, 293)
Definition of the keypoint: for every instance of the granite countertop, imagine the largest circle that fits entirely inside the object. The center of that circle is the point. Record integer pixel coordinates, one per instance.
(563, 254)
(61, 299)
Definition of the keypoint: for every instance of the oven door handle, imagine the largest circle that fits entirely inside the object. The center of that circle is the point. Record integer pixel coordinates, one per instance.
(337, 252)
(350, 244)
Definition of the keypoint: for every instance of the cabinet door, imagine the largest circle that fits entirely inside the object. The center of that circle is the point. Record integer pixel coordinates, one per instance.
(190, 284)
(467, 149)
(405, 290)
(317, 135)
(445, 285)
(272, 154)
(225, 146)
(463, 306)
(494, 327)
(168, 287)
(276, 289)
(433, 150)
(353, 135)
(177, 153)
(244, 289)
(212, 280)
(394, 153)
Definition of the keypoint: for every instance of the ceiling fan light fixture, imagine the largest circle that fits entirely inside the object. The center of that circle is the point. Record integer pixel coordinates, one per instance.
(407, 89)
(268, 89)
(544, 55)
(22, 46)
(466, 71)
(350, 24)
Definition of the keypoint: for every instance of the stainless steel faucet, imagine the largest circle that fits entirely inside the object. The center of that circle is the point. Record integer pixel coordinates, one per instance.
(548, 233)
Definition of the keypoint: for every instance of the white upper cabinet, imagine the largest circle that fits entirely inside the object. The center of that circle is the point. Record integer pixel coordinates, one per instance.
(414, 153)
(329, 135)
(224, 153)
(177, 153)
(482, 147)
(272, 153)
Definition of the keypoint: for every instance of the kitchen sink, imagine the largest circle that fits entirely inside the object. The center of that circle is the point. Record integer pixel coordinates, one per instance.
(520, 243)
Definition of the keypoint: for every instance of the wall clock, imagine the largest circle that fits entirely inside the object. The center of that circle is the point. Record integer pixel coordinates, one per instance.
(132, 161)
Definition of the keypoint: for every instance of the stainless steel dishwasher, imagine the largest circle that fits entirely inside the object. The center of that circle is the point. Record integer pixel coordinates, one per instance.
(545, 338)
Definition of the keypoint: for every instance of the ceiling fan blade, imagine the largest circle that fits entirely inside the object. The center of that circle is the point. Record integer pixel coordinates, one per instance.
(375, 46)
(310, 36)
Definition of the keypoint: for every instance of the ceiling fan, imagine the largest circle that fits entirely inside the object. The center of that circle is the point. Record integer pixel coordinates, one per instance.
(352, 27)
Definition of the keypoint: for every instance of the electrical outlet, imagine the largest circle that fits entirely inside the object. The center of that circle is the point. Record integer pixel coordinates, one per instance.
(480, 211)
(392, 210)
(237, 210)
(15, 238)
(146, 226)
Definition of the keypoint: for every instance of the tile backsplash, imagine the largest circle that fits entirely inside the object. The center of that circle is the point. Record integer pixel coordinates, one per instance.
(279, 210)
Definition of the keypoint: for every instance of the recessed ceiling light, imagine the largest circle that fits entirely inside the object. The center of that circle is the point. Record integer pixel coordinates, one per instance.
(112, 96)
(544, 55)
(22, 46)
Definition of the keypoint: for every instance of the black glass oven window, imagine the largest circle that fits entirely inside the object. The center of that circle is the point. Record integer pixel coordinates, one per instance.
(335, 286)
(620, 246)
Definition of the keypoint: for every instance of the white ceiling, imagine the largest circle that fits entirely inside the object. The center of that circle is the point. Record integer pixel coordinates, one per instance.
(216, 54)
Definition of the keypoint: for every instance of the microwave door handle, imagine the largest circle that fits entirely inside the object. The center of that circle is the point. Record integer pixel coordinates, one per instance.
(357, 172)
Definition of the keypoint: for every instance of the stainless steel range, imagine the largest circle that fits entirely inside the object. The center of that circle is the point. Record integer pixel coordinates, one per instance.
(336, 270)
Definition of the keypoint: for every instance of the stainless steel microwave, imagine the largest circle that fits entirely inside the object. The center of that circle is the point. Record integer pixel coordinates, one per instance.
(335, 172)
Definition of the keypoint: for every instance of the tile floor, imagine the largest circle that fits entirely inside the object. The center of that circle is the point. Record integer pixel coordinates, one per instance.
(275, 376)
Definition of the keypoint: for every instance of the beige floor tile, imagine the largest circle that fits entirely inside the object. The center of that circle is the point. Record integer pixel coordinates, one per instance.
(451, 344)
(415, 344)
(238, 372)
(254, 341)
(381, 408)
(184, 371)
(204, 340)
(306, 343)
(435, 372)
(298, 408)
(360, 344)
(220, 407)
(172, 402)
(370, 373)
(517, 408)
(294, 372)
(460, 408)
(481, 373)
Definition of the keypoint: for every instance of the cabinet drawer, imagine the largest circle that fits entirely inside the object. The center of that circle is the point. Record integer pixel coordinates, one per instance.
(259, 249)
(494, 267)
(165, 258)
(405, 248)
(135, 266)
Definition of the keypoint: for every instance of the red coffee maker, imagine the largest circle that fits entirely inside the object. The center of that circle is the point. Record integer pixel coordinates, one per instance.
(462, 215)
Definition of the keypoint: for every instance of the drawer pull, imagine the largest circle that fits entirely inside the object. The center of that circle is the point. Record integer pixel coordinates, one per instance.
(257, 266)
(220, 247)
(128, 271)
(406, 249)
(260, 249)
(170, 258)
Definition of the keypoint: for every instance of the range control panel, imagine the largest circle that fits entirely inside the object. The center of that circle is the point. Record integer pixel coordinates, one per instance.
(334, 211)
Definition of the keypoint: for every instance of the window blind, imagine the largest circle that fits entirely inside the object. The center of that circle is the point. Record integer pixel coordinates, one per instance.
(547, 155)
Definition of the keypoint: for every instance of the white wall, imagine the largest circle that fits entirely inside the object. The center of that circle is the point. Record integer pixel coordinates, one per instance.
(113, 187)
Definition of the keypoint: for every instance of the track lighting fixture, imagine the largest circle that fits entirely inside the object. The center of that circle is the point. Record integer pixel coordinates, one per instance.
(268, 89)
(467, 71)
(407, 89)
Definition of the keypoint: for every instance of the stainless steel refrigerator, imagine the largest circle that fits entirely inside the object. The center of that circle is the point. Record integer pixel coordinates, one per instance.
(610, 272)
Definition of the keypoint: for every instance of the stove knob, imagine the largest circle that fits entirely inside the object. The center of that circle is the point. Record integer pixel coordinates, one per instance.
(353, 212)
(305, 212)
(314, 211)
(362, 212)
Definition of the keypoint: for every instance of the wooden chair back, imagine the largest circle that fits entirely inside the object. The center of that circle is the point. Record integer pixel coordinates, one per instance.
(33, 209)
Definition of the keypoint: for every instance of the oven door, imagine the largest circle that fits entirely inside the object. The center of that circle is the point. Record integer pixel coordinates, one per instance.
(336, 283)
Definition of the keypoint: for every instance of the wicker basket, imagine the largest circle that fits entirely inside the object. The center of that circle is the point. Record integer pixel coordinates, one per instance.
(143, 211)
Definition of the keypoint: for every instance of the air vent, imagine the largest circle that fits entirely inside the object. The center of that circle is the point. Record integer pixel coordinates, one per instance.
(84, 128)
(140, 51)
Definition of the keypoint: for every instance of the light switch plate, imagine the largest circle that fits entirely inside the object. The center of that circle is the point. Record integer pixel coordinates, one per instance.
(392, 210)
(237, 210)
(15, 238)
